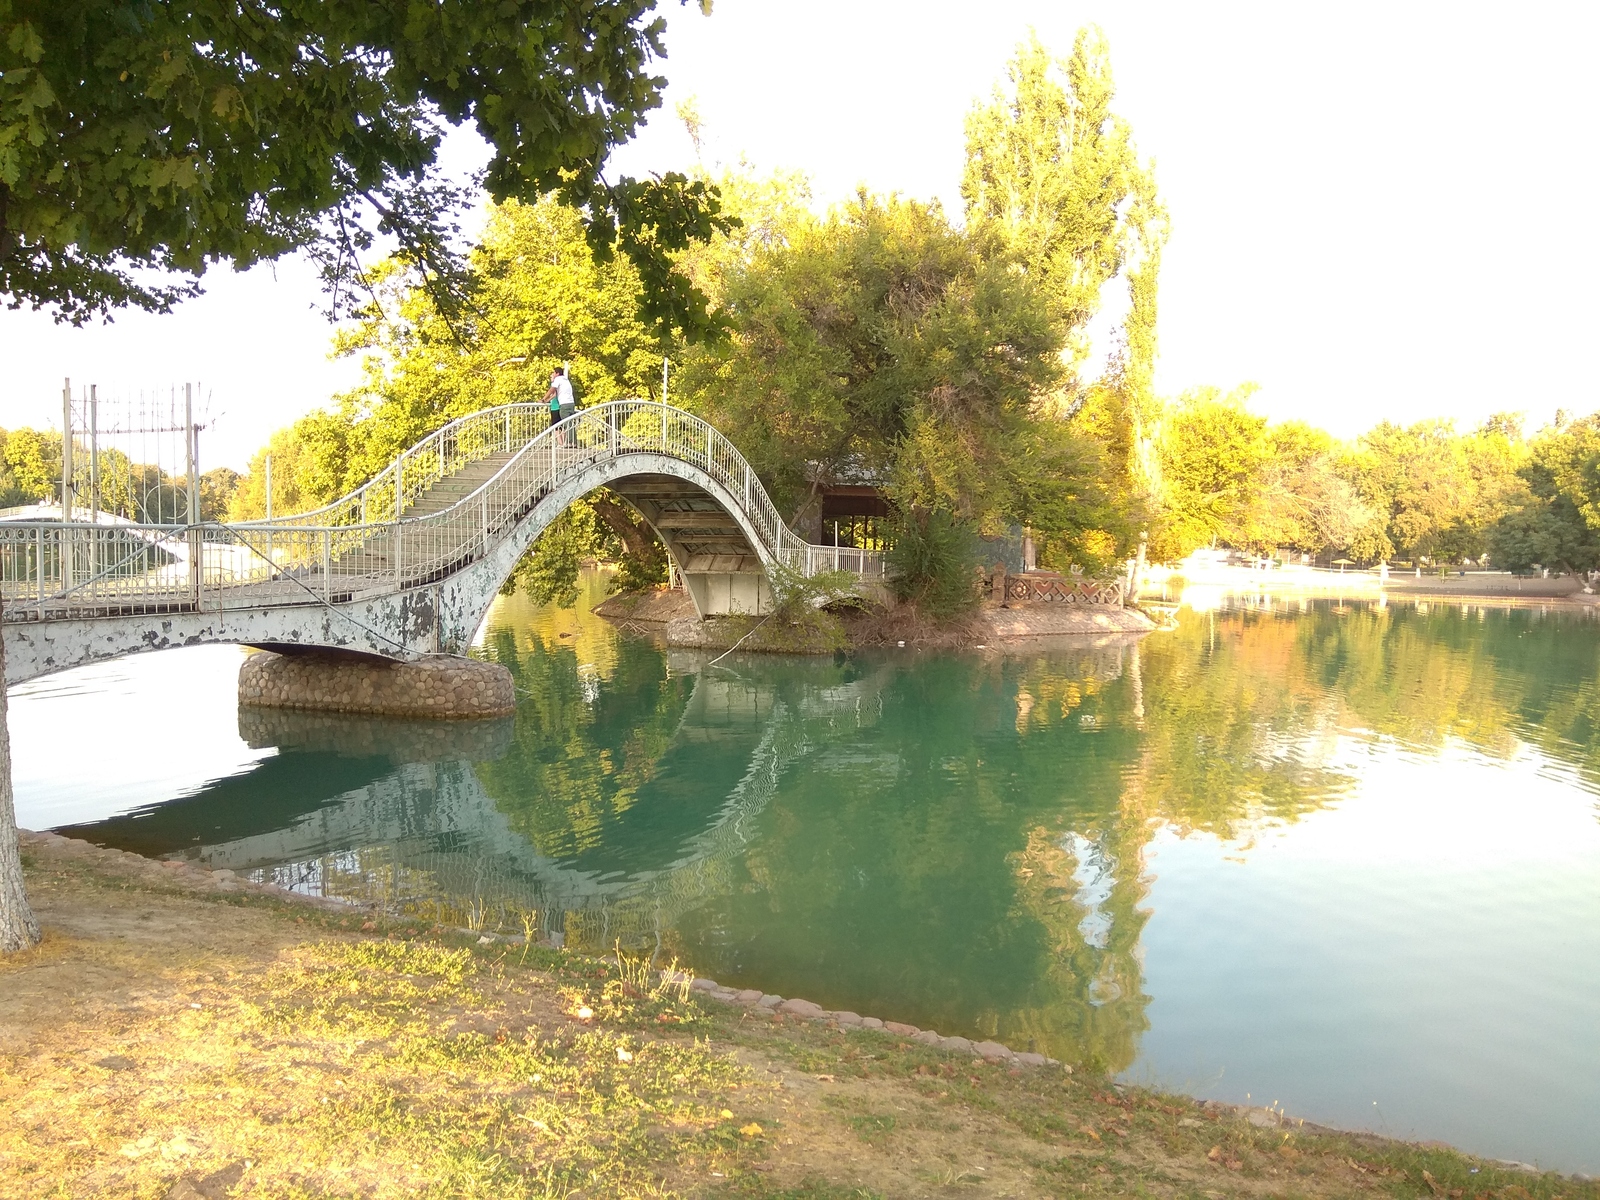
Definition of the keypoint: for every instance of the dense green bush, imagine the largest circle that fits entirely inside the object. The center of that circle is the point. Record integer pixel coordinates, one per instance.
(588, 530)
(933, 563)
(796, 597)
(548, 572)
(798, 615)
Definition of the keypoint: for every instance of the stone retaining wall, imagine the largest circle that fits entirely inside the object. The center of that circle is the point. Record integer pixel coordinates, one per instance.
(1048, 620)
(439, 687)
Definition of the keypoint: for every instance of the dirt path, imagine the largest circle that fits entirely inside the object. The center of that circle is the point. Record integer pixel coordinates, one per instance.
(179, 1035)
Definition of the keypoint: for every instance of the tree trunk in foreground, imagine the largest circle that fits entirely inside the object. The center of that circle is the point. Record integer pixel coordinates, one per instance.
(19, 928)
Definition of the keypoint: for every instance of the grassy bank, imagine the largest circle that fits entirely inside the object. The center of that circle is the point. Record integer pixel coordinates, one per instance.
(176, 1036)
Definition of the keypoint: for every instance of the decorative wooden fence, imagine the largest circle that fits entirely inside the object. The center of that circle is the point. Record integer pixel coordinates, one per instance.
(1051, 587)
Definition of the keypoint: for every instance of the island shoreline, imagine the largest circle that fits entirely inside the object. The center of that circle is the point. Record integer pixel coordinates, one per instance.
(669, 616)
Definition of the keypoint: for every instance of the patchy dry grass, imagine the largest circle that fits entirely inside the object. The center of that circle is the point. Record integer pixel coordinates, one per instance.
(165, 1044)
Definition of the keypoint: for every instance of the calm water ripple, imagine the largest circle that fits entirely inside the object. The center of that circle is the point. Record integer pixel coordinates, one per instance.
(1341, 857)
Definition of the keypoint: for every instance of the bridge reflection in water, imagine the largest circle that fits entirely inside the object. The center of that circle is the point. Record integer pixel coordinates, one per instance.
(400, 813)
(816, 828)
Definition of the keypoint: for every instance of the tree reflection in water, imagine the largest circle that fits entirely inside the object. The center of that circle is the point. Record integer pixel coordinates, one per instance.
(952, 840)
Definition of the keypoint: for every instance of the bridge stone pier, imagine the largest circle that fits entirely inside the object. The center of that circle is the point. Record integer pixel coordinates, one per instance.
(443, 686)
(404, 568)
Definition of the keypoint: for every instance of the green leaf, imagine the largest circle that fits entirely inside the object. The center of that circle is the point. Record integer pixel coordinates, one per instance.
(24, 41)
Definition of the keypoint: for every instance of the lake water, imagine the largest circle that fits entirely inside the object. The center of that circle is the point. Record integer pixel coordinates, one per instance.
(1343, 858)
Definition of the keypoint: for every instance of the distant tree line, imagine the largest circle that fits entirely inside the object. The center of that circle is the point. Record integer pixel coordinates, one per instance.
(1425, 492)
(30, 473)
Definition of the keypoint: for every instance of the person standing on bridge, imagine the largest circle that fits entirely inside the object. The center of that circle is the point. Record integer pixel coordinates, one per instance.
(553, 399)
(561, 401)
(559, 396)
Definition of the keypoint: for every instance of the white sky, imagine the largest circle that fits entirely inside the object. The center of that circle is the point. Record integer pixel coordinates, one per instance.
(1377, 210)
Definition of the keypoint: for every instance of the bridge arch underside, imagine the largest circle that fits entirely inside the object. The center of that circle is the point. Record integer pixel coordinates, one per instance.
(721, 568)
(721, 558)
(719, 555)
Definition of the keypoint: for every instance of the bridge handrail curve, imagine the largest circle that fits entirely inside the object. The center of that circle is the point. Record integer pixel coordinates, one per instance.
(76, 566)
(430, 456)
(719, 458)
(614, 428)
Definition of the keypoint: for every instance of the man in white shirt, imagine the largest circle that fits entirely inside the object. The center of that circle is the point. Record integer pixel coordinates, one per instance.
(560, 395)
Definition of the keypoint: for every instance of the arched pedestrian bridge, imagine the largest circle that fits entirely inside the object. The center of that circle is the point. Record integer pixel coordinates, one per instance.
(407, 564)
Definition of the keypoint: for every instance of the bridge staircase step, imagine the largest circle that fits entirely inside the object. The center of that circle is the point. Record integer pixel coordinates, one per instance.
(377, 552)
(462, 483)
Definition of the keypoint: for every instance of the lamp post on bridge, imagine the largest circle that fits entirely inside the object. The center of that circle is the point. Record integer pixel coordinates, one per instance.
(66, 449)
(94, 454)
(191, 453)
(66, 484)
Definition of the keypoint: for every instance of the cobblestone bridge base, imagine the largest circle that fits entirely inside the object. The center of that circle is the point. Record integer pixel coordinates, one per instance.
(442, 687)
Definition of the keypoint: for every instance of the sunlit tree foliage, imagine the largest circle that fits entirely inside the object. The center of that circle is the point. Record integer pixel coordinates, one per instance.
(140, 145)
(1054, 171)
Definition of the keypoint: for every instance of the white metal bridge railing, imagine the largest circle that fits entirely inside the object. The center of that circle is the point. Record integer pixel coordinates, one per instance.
(364, 544)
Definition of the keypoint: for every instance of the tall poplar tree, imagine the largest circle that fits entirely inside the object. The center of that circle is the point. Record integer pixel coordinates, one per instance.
(1053, 169)
(141, 143)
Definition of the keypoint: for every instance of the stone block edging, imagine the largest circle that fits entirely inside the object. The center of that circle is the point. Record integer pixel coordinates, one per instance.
(808, 1010)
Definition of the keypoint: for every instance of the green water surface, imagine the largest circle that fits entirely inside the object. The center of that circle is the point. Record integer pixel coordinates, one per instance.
(1342, 857)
